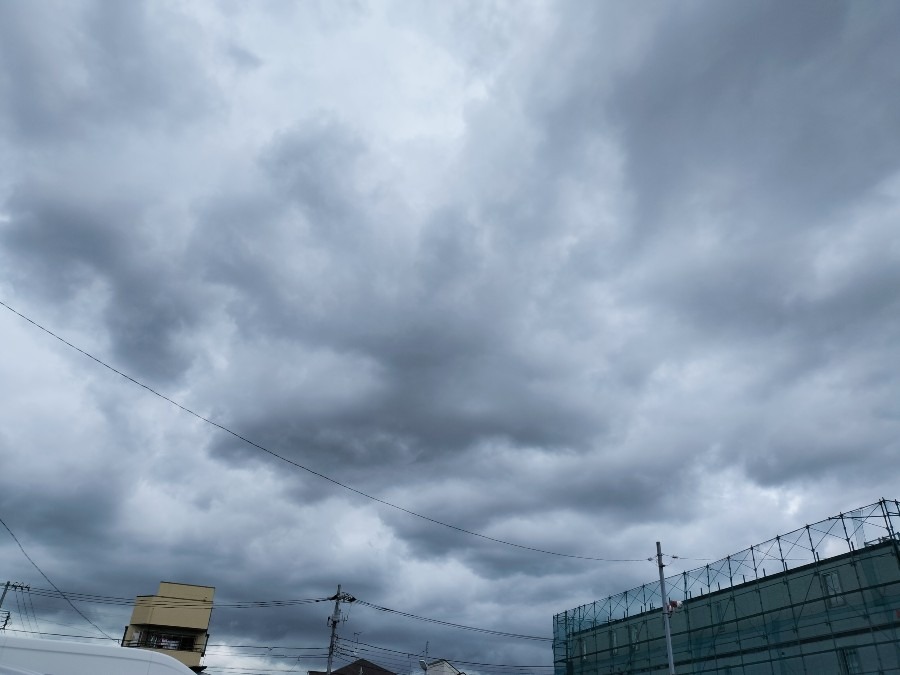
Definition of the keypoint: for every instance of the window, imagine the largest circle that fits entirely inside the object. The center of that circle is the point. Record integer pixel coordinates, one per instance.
(849, 661)
(831, 589)
(613, 643)
(184, 643)
(633, 637)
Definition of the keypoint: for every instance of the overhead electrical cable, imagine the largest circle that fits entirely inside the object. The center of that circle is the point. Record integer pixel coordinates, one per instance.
(116, 600)
(121, 601)
(23, 615)
(349, 646)
(291, 657)
(174, 603)
(246, 670)
(36, 624)
(32, 625)
(322, 651)
(64, 596)
(225, 644)
(399, 664)
(65, 635)
(297, 465)
(393, 663)
(453, 625)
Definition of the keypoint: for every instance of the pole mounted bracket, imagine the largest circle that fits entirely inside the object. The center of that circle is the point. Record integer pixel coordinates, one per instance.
(343, 597)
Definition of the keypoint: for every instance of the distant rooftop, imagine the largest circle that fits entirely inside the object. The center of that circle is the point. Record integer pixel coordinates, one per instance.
(358, 667)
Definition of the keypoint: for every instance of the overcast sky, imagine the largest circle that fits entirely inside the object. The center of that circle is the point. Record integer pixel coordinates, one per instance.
(579, 276)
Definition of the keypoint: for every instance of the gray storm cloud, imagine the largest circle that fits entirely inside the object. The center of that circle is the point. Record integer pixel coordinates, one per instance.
(572, 276)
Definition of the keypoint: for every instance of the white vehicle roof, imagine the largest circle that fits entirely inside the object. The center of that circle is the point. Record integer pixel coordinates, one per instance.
(30, 656)
(9, 670)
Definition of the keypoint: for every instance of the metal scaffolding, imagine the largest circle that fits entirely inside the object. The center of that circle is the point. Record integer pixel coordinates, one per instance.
(822, 598)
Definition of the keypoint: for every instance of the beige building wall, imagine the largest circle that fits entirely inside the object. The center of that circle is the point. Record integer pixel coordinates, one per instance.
(174, 621)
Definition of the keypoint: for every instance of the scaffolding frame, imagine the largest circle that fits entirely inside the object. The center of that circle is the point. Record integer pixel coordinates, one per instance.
(840, 535)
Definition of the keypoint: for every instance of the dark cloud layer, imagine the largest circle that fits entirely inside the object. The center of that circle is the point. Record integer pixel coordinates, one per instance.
(84, 70)
(570, 276)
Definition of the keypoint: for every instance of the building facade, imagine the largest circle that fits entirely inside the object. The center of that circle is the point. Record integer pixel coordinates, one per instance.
(174, 621)
(822, 599)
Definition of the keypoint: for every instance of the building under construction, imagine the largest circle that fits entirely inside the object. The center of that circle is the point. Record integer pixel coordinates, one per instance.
(824, 598)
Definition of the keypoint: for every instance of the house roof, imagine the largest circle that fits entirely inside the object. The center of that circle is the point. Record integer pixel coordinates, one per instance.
(362, 666)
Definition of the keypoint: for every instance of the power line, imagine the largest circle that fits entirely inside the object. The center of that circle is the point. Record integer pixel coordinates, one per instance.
(347, 648)
(398, 664)
(36, 624)
(23, 615)
(395, 663)
(114, 600)
(174, 603)
(292, 657)
(121, 601)
(64, 596)
(243, 669)
(225, 644)
(454, 625)
(301, 466)
(322, 650)
(66, 635)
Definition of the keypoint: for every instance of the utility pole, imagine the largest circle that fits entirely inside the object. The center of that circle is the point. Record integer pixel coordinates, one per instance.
(334, 620)
(2, 598)
(16, 586)
(665, 608)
